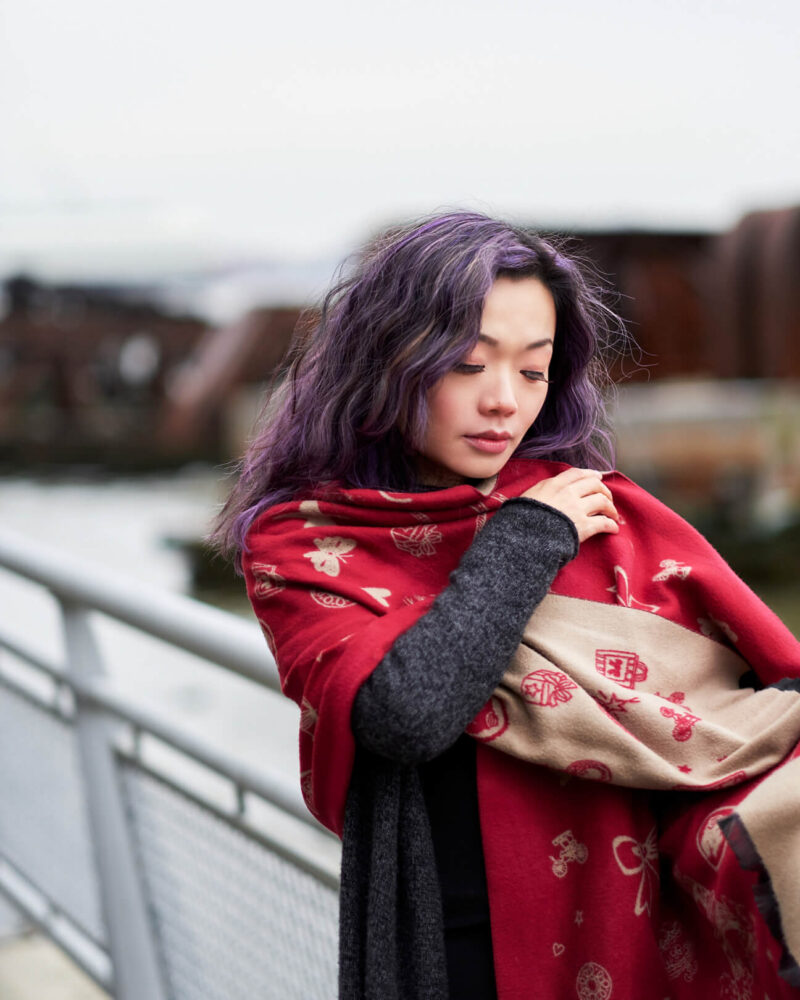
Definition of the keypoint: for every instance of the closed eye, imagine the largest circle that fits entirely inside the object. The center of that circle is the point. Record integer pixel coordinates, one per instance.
(531, 376)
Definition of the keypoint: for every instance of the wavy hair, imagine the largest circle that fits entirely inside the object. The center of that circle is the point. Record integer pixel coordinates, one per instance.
(399, 316)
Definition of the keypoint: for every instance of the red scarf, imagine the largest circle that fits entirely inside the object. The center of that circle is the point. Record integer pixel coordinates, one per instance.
(572, 866)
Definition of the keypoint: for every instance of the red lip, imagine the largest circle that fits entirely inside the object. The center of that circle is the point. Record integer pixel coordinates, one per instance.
(496, 444)
(491, 435)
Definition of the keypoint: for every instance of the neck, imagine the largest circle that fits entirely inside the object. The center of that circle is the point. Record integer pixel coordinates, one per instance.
(431, 474)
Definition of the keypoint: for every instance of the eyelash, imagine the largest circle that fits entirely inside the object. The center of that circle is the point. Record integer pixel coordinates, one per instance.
(465, 369)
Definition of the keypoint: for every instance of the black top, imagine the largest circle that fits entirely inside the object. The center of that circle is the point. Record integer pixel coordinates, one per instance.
(451, 797)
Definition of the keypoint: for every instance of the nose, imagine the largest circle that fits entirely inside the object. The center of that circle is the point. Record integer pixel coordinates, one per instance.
(498, 396)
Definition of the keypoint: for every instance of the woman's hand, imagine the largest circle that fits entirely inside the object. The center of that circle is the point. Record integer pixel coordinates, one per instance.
(582, 495)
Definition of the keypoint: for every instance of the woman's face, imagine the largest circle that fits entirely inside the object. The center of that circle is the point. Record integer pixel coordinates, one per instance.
(479, 412)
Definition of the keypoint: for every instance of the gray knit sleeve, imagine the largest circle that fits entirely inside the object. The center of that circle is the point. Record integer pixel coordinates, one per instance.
(439, 673)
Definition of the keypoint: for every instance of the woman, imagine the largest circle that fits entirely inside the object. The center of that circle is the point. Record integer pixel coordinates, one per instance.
(409, 523)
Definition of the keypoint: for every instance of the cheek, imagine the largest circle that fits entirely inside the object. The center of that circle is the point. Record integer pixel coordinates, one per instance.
(533, 408)
(444, 408)
(536, 408)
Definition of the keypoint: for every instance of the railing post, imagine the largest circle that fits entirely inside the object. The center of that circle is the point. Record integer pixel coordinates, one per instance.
(132, 946)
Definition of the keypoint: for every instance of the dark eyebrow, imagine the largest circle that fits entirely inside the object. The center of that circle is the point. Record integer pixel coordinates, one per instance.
(531, 347)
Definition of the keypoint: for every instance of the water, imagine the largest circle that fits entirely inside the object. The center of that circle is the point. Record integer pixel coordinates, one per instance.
(123, 525)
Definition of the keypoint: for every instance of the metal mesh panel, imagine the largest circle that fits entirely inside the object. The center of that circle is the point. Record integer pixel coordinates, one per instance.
(44, 827)
(235, 921)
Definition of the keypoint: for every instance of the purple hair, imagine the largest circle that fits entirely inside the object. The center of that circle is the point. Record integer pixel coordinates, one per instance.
(352, 405)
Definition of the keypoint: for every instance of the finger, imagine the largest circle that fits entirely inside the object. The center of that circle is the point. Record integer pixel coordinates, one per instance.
(597, 486)
(605, 524)
(597, 525)
(573, 474)
(592, 485)
(597, 503)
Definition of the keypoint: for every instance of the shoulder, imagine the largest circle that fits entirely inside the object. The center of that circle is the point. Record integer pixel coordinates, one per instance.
(519, 474)
(647, 515)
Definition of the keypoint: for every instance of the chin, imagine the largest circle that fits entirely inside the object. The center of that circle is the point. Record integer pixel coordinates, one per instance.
(482, 468)
(435, 472)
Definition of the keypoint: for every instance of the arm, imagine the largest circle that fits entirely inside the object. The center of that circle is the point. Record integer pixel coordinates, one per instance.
(438, 674)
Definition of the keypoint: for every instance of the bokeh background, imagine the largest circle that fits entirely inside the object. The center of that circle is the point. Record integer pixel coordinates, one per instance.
(178, 181)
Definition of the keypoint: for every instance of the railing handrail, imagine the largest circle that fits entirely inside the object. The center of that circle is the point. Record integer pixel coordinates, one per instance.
(100, 713)
(217, 636)
(192, 625)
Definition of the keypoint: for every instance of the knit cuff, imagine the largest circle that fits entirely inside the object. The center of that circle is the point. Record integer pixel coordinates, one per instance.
(532, 502)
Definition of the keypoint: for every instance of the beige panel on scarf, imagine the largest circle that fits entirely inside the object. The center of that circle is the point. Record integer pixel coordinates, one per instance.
(618, 694)
(770, 815)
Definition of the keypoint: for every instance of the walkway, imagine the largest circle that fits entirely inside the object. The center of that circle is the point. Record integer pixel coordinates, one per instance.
(31, 968)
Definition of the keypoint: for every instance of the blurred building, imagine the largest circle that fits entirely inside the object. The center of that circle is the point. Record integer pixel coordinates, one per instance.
(84, 372)
(108, 376)
(717, 305)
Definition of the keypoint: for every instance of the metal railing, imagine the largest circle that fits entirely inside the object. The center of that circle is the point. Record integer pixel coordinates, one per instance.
(153, 888)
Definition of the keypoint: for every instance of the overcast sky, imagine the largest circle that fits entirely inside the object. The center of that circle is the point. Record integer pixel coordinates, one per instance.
(171, 133)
